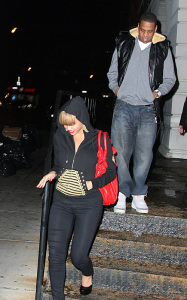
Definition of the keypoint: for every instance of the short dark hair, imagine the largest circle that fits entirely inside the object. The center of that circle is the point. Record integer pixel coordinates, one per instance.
(148, 17)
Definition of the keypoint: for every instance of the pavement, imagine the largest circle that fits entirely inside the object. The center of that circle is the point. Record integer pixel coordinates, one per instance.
(20, 217)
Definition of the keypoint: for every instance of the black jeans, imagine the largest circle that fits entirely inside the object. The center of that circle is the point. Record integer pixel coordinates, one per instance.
(67, 215)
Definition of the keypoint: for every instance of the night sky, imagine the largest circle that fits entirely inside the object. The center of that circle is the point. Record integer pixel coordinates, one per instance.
(63, 41)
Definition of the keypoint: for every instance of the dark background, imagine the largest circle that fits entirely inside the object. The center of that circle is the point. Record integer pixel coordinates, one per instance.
(64, 41)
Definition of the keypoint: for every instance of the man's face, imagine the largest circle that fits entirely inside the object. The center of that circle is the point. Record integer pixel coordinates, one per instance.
(146, 31)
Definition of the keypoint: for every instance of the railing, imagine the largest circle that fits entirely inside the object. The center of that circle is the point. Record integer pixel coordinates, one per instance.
(48, 190)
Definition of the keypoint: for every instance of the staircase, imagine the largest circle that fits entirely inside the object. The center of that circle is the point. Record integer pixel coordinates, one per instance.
(135, 257)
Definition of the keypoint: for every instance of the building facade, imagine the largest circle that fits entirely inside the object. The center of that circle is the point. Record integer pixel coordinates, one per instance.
(172, 14)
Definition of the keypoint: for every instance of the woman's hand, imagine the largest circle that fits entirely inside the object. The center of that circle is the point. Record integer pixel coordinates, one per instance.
(89, 185)
(50, 176)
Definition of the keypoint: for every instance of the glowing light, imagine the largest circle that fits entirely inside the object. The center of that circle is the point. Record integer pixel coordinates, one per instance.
(84, 92)
(18, 82)
(29, 69)
(14, 29)
(91, 76)
(29, 90)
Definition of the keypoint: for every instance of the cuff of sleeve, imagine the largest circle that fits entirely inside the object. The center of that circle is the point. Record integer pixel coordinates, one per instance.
(161, 91)
(54, 169)
(95, 183)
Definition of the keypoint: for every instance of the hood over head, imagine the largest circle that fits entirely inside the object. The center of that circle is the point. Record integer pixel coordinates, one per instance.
(76, 107)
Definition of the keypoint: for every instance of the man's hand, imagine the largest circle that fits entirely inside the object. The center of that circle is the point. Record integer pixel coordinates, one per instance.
(154, 94)
(181, 130)
(116, 91)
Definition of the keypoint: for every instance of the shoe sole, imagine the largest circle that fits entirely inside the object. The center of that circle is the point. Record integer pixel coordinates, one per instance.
(118, 210)
(143, 211)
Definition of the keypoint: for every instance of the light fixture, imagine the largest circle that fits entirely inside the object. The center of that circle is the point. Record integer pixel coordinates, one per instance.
(14, 29)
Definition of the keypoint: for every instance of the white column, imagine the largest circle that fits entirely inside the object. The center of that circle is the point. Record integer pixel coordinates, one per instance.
(173, 16)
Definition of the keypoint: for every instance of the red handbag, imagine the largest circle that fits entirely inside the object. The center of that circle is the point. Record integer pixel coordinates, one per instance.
(110, 191)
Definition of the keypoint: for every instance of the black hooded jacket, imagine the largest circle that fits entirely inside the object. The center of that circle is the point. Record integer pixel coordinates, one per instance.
(85, 159)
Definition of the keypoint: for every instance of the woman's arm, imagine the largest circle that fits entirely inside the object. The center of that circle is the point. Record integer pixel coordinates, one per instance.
(53, 173)
(56, 155)
(110, 173)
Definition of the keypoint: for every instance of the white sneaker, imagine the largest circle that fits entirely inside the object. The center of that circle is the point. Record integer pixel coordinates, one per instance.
(139, 204)
(121, 204)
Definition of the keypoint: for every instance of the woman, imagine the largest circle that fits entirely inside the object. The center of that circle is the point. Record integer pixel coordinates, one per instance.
(77, 202)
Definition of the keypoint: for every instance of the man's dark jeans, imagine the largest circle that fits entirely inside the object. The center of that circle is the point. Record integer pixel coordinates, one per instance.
(133, 133)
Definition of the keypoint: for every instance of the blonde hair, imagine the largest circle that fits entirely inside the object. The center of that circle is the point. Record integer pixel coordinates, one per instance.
(66, 118)
(69, 120)
(84, 128)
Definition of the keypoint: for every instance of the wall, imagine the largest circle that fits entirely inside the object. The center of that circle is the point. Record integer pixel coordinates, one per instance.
(173, 17)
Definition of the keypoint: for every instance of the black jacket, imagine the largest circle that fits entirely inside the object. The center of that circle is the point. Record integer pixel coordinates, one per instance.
(183, 120)
(85, 159)
(158, 53)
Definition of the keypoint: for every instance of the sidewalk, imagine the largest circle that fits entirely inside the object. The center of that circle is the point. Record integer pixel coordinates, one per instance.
(20, 216)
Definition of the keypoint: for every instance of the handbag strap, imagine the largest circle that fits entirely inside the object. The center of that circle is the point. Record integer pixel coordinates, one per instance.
(99, 139)
(105, 143)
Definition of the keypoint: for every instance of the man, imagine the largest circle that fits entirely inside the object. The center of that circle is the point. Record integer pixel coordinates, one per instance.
(183, 120)
(141, 71)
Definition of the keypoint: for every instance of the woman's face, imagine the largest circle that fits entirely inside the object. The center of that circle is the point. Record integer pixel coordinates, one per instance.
(75, 129)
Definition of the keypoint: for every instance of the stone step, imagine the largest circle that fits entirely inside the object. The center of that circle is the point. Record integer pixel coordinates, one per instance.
(139, 224)
(72, 293)
(147, 248)
(135, 257)
(143, 238)
(137, 266)
(135, 279)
